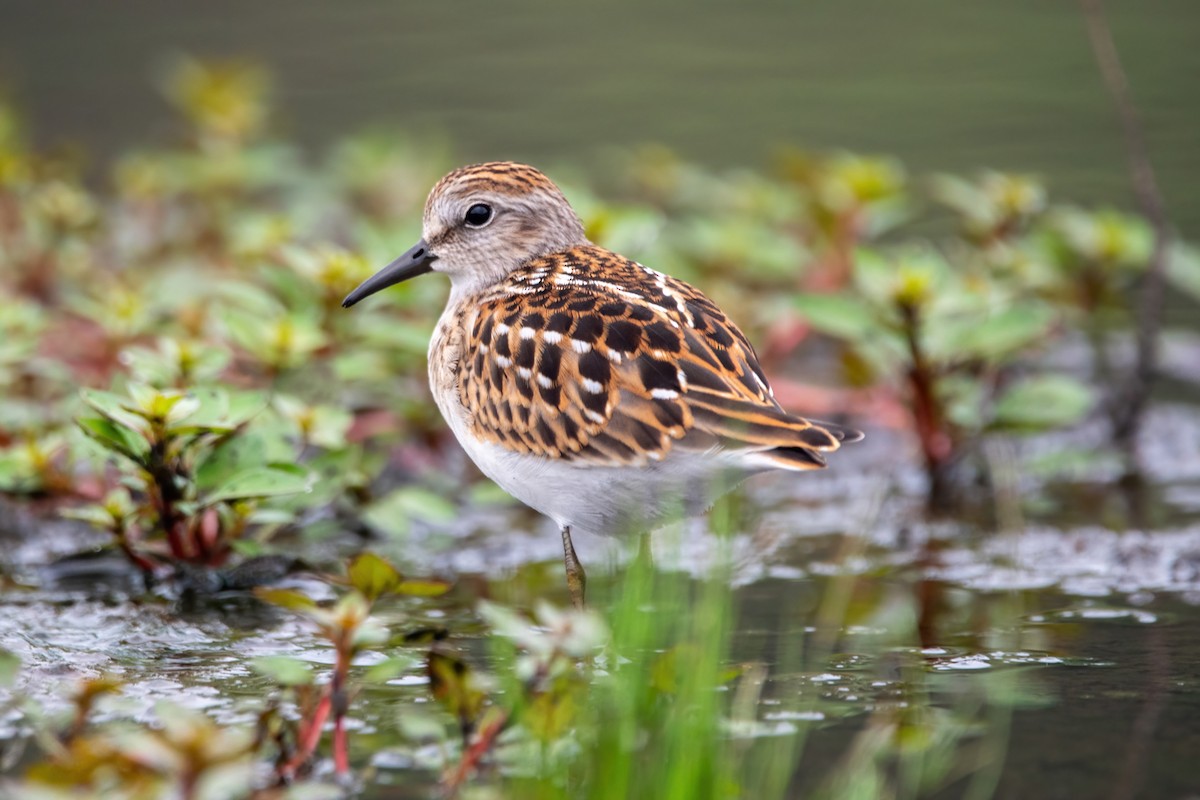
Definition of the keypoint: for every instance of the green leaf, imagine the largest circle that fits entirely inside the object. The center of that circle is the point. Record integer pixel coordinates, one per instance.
(115, 408)
(393, 512)
(221, 411)
(236, 454)
(95, 515)
(243, 406)
(271, 481)
(283, 670)
(372, 576)
(389, 668)
(115, 437)
(836, 315)
(422, 588)
(1046, 401)
(285, 598)
(1005, 333)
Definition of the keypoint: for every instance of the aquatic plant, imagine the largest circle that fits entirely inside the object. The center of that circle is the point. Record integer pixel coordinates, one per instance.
(351, 630)
(193, 469)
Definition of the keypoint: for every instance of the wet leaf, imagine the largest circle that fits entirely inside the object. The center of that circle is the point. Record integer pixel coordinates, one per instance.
(372, 576)
(283, 670)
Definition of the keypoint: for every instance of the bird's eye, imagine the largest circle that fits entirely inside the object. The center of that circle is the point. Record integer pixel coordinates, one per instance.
(478, 215)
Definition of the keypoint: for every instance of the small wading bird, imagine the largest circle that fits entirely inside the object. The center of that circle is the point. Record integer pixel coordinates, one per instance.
(594, 390)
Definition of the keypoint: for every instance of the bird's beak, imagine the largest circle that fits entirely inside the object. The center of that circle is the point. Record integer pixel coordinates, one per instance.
(417, 261)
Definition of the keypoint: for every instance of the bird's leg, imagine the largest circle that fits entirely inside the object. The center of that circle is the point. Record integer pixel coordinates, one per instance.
(576, 578)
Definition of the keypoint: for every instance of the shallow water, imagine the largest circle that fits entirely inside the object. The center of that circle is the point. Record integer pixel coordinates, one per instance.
(1078, 635)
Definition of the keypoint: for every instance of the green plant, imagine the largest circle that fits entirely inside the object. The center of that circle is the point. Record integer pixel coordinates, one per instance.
(961, 346)
(191, 470)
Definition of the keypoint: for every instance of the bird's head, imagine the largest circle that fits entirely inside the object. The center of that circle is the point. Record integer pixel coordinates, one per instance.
(481, 223)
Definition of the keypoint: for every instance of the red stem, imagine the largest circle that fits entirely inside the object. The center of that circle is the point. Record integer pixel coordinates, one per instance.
(310, 736)
(484, 741)
(339, 702)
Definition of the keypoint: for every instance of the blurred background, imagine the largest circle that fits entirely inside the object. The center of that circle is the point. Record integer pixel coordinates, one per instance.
(940, 84)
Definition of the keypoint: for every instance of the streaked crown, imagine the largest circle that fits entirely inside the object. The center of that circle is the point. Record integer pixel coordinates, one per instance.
(486, 220)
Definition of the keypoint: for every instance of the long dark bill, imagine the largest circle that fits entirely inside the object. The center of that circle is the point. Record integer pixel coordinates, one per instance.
(417, 261)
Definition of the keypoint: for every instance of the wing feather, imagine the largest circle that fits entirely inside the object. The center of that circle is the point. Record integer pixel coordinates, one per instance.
(584, 355)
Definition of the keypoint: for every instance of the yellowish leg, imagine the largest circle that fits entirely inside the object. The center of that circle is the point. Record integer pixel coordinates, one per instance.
(576, 578)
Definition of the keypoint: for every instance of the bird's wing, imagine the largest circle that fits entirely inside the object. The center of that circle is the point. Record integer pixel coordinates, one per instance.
(586, 356)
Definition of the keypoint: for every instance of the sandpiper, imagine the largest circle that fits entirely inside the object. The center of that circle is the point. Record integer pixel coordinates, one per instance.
(595, 390)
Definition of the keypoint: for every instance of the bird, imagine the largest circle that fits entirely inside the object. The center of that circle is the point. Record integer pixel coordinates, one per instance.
(595, 390)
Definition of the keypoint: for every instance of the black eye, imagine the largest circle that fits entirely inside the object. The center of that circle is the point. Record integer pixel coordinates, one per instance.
(478, 215)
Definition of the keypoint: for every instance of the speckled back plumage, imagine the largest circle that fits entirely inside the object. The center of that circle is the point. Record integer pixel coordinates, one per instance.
(586, 356)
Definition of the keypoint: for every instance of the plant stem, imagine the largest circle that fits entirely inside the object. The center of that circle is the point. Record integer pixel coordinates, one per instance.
(928, 417)
(339, 703)
(1127, 407)
(485, 739)
(165, 494)
(310, 735)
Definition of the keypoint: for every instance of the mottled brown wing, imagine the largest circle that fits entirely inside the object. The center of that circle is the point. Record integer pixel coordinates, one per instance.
(587, 356)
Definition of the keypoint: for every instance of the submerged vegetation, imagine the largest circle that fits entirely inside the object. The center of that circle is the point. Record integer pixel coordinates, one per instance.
(229, 413)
